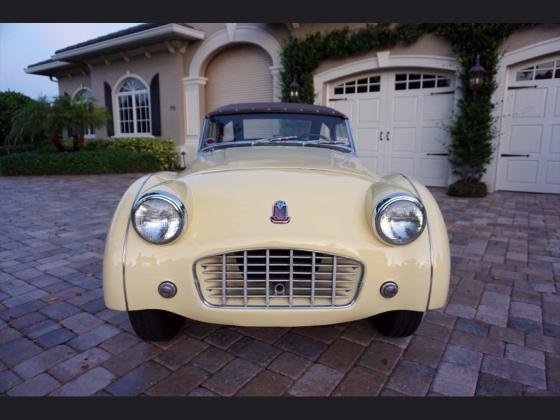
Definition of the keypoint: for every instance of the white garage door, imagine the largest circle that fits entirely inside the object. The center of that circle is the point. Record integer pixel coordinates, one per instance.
(398, 119)
(529, 157)
(239, 74)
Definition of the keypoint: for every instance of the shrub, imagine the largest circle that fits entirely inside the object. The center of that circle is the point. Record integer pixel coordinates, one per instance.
(77, 163)
(10, 103)
(467, 189)
(26, 147)
(162, 149)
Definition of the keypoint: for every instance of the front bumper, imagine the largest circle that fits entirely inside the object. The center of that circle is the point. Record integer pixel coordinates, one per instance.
(144, 272)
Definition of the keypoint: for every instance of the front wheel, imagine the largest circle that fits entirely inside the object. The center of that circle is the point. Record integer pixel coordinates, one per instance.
(397, 323)
(155, 324)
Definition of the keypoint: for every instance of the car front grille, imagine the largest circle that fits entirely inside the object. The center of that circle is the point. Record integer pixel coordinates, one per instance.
(278, 278)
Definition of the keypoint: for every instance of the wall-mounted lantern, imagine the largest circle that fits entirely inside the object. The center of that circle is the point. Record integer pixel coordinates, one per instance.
(294, 88)
(476, 75)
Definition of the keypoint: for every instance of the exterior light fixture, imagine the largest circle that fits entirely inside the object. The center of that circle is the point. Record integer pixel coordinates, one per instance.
(476, 75)
(294, 88)
(183, 154)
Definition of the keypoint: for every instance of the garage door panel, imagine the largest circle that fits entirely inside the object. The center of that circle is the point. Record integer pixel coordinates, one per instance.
(553, 173)
(405, 108)
(438, 107)
(433, 171)
(529, 103)
(557, 103)
(403, 139)
(434, 140)
(401, 165)
(368, 111)
(526, 138)
(554, 146)
(343, 106)
(522, 171)
(367, 140)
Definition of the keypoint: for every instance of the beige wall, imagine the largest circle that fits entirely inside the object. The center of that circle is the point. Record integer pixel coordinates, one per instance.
(71, 84)
(426, 45)
(305, 29)
(530, 36)
(169, 67)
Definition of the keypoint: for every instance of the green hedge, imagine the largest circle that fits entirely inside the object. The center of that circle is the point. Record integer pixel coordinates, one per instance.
(100, 161)
(162, 149)
(26, 147)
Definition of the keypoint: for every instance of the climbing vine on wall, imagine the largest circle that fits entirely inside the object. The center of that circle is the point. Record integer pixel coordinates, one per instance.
(471, 130)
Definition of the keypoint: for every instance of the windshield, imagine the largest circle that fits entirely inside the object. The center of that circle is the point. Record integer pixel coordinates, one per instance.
(229, 130)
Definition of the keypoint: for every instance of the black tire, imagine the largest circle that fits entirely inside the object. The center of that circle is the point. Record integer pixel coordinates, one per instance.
(397, 323)
(155, 325)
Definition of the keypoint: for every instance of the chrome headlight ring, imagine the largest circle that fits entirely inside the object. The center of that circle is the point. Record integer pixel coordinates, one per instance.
(168, 231)
(414, 228)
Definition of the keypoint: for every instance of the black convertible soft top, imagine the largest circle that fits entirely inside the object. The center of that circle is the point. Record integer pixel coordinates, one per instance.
(277, 107)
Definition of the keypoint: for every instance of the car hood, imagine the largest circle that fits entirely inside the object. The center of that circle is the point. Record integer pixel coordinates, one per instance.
(278, 157)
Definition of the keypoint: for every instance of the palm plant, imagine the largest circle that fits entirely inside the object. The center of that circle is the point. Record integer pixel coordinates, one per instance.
(30, 122)
(81, 114)
(43, 117)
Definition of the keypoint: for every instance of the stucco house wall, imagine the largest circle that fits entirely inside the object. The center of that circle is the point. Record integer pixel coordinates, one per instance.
(69, 85)
(168, 66)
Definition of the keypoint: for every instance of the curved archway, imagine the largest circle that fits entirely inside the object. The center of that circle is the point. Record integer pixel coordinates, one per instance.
(241, 34)
(383, 61)
(194, 84)
(81, 89)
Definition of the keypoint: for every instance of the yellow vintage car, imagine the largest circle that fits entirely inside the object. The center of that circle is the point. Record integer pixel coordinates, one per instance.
(276, 223)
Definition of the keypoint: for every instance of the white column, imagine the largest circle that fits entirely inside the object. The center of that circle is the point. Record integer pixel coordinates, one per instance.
(193, 91)
(276, 83)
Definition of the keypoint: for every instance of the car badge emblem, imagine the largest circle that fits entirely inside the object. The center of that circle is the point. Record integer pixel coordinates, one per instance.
(280, 212)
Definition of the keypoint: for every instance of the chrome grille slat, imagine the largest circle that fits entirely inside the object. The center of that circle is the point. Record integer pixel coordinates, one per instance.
(278, 278)
(291, 277)
(245, 278)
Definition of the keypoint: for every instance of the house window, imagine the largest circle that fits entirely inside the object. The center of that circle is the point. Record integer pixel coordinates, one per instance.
(545, 70)
(362, 85)
(134, 107)
(408, 81)
(85, 95)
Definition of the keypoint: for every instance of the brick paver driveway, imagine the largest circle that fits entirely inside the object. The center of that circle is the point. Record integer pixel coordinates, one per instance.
(499, 334)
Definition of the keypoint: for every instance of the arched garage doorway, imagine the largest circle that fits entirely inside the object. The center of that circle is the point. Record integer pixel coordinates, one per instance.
(529, 150)
(399, 119)
(399, 107)
(239, 73)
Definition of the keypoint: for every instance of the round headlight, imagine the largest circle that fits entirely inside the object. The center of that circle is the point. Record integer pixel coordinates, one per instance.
(399, 219)
(158, 217)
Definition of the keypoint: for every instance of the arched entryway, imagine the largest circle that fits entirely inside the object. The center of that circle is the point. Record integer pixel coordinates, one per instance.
(261, 48)
(240, 73)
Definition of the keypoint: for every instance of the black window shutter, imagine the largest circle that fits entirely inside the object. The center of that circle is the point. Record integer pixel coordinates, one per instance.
(155, 108)
(109, 107)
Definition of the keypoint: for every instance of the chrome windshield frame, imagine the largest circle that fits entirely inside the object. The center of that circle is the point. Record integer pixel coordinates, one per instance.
(349, 149)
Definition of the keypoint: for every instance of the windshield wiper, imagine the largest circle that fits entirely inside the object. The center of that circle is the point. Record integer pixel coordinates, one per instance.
(226, 144)
(274, 139)
(323, 141)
